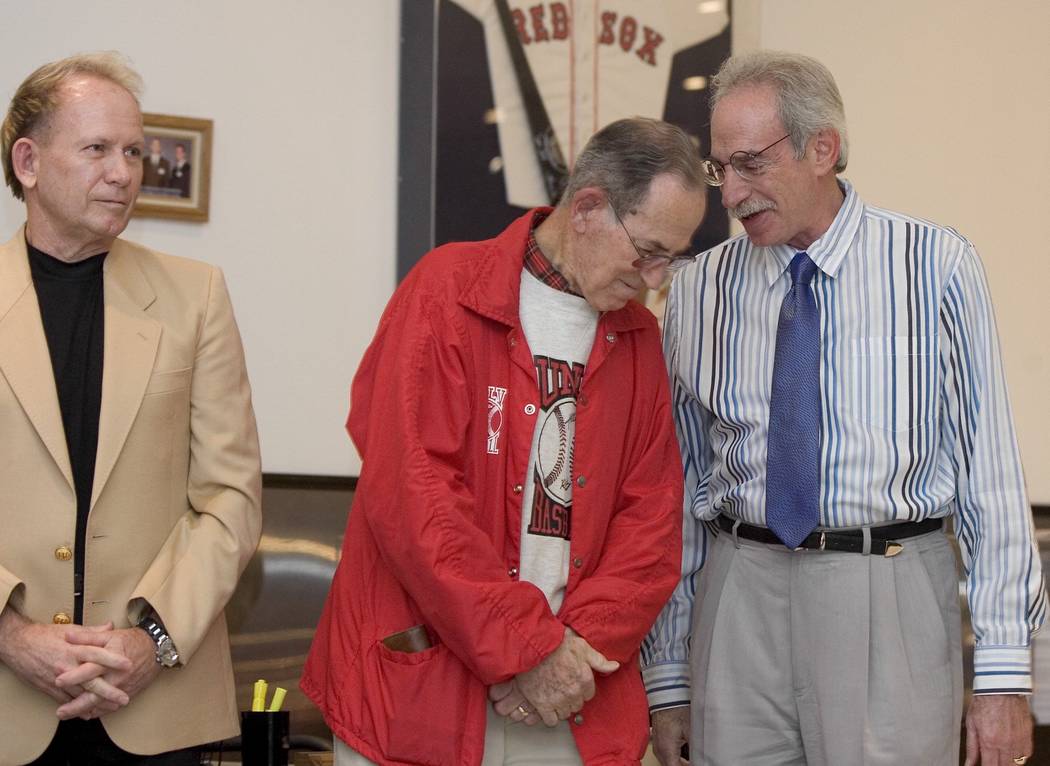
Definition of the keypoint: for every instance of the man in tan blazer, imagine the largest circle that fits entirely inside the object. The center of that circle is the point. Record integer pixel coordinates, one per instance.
(129, 459)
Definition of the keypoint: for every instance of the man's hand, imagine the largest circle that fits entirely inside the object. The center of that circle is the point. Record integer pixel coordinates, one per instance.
(558, 686)
(507, 696)
(998, 730)
(141, 668)
(670, 732)
(37, 653)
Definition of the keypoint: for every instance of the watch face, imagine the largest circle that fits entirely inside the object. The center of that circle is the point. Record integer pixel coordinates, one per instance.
(166, 653)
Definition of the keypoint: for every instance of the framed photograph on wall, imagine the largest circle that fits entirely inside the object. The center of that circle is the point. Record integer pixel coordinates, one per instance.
(176, 168)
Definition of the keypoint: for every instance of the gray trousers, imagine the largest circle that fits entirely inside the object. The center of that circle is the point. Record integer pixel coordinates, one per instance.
(815, 657)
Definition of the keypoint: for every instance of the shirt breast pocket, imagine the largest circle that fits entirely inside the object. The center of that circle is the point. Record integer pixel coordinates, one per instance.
(893, 382)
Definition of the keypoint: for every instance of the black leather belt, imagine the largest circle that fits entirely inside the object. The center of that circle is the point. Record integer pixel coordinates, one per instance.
(884, 540)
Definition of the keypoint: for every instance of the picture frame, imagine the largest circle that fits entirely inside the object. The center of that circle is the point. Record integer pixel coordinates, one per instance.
(176, 168)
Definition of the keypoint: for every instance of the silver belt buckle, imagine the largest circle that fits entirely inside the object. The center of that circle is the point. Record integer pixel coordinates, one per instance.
(820, 545)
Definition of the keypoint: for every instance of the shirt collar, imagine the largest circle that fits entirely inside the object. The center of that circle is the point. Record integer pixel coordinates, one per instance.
(829, 250)
(539, 265)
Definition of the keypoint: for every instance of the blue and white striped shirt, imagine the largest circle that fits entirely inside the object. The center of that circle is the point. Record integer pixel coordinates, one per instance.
(916, 416)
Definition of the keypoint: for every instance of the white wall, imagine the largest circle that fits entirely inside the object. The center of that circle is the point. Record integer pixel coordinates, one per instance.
(303, 195)
(948, 105)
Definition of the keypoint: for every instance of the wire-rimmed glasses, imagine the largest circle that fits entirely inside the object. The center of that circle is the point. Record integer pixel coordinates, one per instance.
(645, 260)
(748, 165)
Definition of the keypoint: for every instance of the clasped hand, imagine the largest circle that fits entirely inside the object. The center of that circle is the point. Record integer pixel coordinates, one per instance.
(89, 671)
(557, 687)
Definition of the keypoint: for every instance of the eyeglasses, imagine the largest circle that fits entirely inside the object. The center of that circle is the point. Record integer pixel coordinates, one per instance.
(671, 262)
(748, 165)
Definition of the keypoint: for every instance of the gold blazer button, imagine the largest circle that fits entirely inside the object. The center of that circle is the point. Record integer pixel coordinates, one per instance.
(63, 553)
(61, 619)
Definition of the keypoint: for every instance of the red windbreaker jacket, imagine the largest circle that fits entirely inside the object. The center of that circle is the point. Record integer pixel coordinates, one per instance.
(442, 412)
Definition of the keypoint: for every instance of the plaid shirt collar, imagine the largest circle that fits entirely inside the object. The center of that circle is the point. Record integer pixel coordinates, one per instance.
(537, 264)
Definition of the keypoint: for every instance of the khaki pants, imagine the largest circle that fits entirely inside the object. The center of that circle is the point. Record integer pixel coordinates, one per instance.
(506, 744)
(819, 658)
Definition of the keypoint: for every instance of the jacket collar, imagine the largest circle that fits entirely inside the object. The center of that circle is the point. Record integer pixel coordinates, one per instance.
(131, 342)
(120, 270)
(494, 289)
(14, 271)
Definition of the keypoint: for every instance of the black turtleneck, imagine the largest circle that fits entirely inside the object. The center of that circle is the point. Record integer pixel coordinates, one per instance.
(71, 307)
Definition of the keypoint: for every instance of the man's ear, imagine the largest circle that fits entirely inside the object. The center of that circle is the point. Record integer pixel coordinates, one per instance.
(585, 204)
(826, 145)
(25, 156)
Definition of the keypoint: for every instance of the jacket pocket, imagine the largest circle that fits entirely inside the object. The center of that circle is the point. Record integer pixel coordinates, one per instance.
(169, 380)
(427, 699)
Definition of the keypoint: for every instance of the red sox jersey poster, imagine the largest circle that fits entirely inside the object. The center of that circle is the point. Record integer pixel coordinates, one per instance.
(593, 61)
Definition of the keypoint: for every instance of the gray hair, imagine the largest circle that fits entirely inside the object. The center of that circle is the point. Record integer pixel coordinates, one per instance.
(625, 156)
(38, 97)
(808, 100)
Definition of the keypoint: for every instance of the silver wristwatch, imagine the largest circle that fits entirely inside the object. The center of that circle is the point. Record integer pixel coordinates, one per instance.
(167, 654)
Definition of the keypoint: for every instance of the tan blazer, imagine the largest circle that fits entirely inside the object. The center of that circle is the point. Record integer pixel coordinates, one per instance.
(175, 509)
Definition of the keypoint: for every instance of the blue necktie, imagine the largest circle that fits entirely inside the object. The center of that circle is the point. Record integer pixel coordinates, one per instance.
(793, 456)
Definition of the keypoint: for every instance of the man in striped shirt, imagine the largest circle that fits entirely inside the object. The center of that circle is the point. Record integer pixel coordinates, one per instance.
(826, 626)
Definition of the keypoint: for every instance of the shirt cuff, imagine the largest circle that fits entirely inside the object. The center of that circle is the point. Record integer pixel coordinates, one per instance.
(1002, 670)
(667, 685)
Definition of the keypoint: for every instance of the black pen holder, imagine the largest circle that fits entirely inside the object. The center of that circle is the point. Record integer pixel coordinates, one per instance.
(264, 738)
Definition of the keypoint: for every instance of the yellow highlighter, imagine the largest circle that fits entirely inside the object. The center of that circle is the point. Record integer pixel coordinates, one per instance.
(278, 699)
(259, 696)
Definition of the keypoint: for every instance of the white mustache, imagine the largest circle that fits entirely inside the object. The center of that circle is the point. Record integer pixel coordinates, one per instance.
(750, 207)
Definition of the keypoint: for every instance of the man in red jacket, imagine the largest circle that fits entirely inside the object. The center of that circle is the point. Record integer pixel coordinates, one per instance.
(517, 523)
